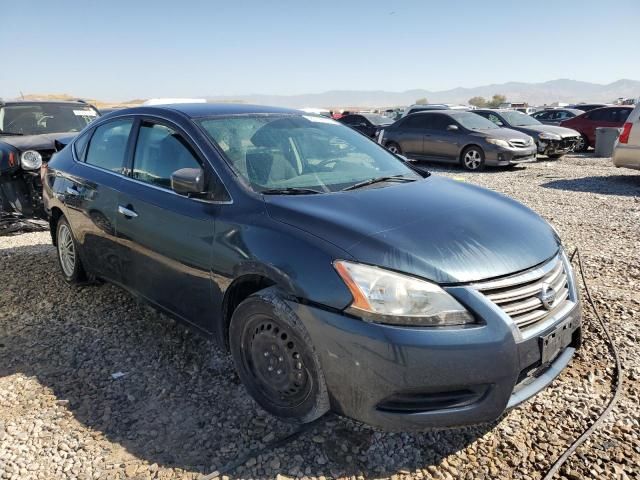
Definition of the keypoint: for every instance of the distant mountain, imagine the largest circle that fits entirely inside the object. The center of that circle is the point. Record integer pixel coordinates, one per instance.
(562, 90)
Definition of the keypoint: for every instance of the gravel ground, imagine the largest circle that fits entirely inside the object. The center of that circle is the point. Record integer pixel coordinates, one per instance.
(178, 410)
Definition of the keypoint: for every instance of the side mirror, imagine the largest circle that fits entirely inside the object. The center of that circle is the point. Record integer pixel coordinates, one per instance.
(188, 180)
(452, 128)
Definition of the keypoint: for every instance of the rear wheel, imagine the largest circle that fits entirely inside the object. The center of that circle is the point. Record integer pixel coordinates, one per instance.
(70, 263)
(275, 358)
(472, 158)
(582, 145)
(394, 148)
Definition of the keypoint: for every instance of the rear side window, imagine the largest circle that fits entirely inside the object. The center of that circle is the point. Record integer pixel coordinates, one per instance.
(108, 145)
(160, 151)
(80, 145)
(417, 121)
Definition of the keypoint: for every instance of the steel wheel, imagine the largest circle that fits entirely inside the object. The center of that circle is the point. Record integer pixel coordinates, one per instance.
(472, 159)
(272, 357)
(275, 358)
(66, 250)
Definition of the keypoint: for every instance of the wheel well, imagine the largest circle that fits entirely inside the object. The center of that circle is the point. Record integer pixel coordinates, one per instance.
(56, 213)
(237, 292)
(466, 147)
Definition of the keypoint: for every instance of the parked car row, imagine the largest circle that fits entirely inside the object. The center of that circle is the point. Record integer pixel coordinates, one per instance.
(587, 123)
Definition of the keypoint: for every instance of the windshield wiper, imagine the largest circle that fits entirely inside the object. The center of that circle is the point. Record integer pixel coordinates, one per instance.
(290, 191)
(371, 181)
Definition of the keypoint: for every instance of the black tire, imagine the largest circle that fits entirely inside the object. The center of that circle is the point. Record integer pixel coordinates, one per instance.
(583, 144)
(74, 272)
(472, 158)
(276, 360)
(393, 147)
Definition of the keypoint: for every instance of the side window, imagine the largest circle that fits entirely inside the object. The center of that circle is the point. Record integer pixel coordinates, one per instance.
(80, 145)
(420, 121)
(108, 145)
(495, 119)
(600, 115)
(440, 122)
(160, 151)
(622, 115)
(349, 120)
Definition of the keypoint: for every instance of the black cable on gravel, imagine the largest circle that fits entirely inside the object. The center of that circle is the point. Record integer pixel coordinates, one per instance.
(617, 377)
(278, 442)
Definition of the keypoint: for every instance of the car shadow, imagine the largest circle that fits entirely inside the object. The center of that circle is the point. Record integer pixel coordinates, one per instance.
(166, 395)
(625, 185)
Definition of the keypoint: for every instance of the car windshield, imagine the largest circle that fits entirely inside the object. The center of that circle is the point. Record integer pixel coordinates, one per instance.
(377, 119)
(473, 121)
(519, 119)
(40, 118)
(305, 152)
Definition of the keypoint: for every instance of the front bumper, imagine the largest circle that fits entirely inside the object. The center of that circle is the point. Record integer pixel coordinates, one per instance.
(501, 156)
(557, 147)
(403, 378)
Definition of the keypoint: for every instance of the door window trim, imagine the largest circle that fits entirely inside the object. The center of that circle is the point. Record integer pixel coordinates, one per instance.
(133, 137)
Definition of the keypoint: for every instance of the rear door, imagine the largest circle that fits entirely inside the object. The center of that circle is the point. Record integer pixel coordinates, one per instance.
(439, 142)
(168, 236)
(410, 134)
(91, 195)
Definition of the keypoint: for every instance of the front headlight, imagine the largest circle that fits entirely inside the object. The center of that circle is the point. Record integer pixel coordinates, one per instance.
(30, 160)
(383, 296)
(549, 136)
(498, 142)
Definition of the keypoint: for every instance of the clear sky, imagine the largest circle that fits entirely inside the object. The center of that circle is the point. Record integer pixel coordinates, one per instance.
(119, 50)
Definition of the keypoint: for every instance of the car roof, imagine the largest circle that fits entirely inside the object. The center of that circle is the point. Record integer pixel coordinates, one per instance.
(200, 110)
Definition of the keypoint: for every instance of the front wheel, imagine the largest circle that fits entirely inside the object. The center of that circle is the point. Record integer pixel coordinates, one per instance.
(472, 158)
(276, 360)
(582, 145)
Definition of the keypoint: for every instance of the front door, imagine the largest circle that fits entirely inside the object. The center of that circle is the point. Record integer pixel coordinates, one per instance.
(440, 143)
(168, 236)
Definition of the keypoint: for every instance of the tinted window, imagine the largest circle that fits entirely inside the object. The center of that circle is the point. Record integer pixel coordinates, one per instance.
(621, 115)
(108, 145)
(350, 119)
(603, 115)
(440, 122)
(160, 151)
(542, 115)
(417, 121)
(40, 118)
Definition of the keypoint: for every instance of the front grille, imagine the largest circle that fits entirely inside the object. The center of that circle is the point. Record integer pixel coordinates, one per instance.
(519, 143)
(521, 296)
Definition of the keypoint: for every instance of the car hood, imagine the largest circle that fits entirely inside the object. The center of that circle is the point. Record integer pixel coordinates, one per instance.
(439, 229)
(536, 129)
(33, 142)
(502, 133)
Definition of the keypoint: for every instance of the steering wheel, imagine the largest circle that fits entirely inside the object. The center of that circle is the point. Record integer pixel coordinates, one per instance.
(43, 120)
(328, 161)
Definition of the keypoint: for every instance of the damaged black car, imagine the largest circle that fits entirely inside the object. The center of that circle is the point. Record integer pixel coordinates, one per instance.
(28, 131)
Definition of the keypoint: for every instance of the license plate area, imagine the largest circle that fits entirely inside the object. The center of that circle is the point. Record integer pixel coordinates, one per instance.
(554, 342)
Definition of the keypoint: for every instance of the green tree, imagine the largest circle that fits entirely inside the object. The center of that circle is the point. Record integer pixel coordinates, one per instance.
(496, 101)
(479, 102)
(422, 101)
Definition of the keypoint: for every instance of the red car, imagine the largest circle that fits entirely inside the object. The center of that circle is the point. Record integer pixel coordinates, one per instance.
(587, 123)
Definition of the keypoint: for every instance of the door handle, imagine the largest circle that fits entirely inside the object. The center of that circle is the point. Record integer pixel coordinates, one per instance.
(127, 212)
(73, 191)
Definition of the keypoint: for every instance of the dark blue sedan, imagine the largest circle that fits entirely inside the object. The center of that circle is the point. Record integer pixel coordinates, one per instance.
(338, 276)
